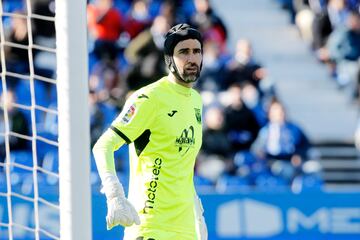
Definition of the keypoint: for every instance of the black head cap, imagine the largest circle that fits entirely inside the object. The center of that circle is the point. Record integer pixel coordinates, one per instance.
(176, 34)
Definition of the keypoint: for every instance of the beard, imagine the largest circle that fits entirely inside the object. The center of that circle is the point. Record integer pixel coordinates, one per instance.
(191, 76)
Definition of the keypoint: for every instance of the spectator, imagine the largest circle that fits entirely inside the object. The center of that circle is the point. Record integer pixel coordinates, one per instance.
(106, 83)
(243, 66)
(251, 98)
(207, 21)
(169, 10)
(138, 18)
(343, 49)
(321, 25)
(353, 5)
(304, 18)
(357, 88)
(288, 5)
(240, 123)
(282, 142)
(214, 158)
(97, 118)
(43, 34)
(145, 54)
(105, 26)
(357, 135)
(45, 29)
(212, 76)
(177, 11)
(17, 124)
(17, 59)
(338, 12)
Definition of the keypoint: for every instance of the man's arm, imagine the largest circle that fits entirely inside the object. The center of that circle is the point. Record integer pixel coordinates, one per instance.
(120, 210)
(201, 228)
(138, 113)
(103, 151)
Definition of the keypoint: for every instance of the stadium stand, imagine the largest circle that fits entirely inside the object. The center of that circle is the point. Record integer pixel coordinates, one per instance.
(252, 62)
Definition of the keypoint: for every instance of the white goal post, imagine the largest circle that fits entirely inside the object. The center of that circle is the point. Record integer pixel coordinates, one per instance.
(29, 204)
(73, 109)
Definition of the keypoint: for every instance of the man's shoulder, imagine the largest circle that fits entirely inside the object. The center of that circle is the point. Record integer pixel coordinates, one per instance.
(151, 91)
(196, 96)
(155, 86)
(195, 93)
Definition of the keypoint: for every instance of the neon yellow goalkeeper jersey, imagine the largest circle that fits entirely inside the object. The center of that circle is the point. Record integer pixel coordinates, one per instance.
(162, 121)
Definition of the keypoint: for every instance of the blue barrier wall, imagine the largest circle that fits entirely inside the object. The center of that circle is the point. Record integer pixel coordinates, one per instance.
(253, 215)
(283, 215)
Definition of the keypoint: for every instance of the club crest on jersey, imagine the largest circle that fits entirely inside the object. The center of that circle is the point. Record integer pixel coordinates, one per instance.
(198, 115)
(186, 140)
(129, 114)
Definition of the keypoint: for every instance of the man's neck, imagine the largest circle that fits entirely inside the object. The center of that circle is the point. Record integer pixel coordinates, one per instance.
(174, 79)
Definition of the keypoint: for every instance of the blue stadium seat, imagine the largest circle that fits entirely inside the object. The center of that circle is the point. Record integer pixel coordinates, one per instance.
(21, 157)
(42, 147)
(48, 189)
(123, 63)
(201, 181)
(15, 179)
(94, 176)
(154, 8)
(92, 163)
(244, 158)
(268, 182)
(21, 183)
(23, 93)
(26, 186)
(3, 183)
(23, 96)
(92, 61)
(110, 112)
(41, 95)
(12, 5)
(121, 157)
(124, 179)
(53, 96)
(122, 6)
(307, 183)
(22, 179)
(231, 182)
(188, 7)
(51, 163)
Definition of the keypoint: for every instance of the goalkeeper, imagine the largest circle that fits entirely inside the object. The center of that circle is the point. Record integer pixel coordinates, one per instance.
(162, 123)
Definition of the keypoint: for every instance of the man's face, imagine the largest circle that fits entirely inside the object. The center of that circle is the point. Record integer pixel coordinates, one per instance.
(187, 58)
(277, 113)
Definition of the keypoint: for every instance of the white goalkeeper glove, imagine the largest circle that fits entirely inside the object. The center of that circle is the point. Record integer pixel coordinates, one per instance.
(119, 210)
(201, 228)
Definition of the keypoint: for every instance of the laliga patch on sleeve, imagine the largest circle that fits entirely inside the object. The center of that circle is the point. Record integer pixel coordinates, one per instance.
(129, 114)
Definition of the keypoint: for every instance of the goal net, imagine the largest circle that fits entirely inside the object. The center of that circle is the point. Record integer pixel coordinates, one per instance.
(44, 120)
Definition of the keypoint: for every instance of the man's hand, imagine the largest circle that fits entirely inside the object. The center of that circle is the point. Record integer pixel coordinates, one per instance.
(120, 210)
(200, 220)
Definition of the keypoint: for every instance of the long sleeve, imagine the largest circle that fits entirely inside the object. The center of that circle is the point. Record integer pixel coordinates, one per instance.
(103, 151)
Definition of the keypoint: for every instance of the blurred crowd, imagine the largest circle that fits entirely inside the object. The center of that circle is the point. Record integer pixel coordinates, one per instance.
(248, 139)
(332, 30)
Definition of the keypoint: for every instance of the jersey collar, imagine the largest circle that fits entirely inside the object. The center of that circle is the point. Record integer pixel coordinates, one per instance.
(179, 88)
